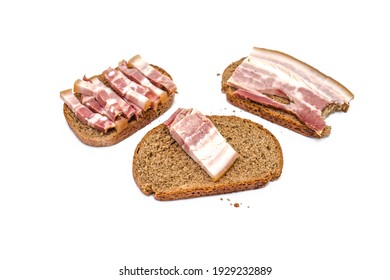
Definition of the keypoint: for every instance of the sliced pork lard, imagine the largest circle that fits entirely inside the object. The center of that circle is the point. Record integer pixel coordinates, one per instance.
(113, 99)
(127, 88)
(155, 94)
(84, 114)
(305, 91)
(152, 74)
(201, 140)
(95, 107)
(97, 99)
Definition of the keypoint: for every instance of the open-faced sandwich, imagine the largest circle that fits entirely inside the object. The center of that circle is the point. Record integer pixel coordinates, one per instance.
(107, 108)
(285, 91)
(192, 155)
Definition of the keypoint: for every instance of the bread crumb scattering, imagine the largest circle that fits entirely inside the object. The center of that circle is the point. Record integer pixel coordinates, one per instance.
(236, 204)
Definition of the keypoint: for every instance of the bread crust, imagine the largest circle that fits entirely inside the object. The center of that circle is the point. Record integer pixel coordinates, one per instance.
(276, 116)
(161, 167)
(92, 137)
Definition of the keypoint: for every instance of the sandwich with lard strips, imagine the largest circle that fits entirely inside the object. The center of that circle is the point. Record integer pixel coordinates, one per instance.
(107, 108)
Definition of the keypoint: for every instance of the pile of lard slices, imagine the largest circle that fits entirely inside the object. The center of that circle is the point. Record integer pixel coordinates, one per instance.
(134, 87)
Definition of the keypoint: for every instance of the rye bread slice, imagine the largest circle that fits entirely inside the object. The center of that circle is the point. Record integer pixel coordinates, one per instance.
(163, 169)
(276, 116)
(91, 136)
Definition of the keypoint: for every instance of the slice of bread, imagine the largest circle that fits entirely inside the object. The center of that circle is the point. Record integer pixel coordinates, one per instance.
(93, 137)
(162, 168)
(276, 116)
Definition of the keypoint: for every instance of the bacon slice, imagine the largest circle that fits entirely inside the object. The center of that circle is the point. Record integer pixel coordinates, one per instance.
(201, 140)
(95, 107)
(97, 99)
(154, 94)
(152, 74)
(127, 89)
(266, 73)
(112, 99)
(84, 114)
(155, 100)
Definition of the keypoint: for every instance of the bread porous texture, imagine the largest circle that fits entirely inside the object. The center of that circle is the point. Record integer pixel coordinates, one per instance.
(162, 168)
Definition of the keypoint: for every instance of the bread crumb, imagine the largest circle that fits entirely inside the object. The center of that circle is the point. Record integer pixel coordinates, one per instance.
(218, 74)
(235, 204)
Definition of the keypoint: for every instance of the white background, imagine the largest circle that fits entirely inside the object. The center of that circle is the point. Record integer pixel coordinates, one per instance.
(70, 211)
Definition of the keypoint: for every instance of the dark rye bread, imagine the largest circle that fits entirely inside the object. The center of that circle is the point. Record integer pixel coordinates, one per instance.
(162, 168)
(93, 137)
(276, 116)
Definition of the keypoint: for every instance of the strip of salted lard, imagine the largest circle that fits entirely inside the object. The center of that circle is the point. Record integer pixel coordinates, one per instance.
(152, 74)
(307, 92)
(128, 108)
(95, 107)
(127, 88)
(94, 97)
(201, 140)
(84, 114)
(327, 87)
(125, 108)
(133, 74)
